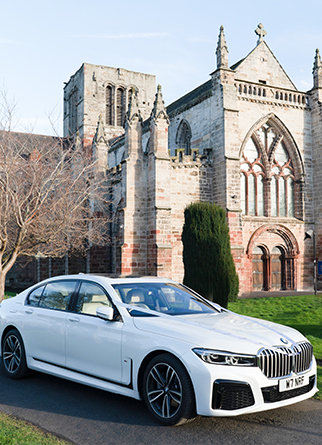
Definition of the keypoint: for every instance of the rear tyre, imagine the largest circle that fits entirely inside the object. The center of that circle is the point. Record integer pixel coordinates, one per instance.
(13, 355)
(168, 391)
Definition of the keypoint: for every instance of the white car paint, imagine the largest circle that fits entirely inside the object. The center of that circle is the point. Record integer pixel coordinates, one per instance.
(109, 354)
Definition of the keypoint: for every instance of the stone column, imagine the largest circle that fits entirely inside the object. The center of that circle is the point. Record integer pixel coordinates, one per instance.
(133, 251)
(159, 202)
(225, 132)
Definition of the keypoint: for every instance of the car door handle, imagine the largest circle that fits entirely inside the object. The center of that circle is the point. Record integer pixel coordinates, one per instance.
(74, 319)
(29, 311)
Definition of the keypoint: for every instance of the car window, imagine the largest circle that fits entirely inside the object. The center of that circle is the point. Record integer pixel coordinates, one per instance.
(57, 295)
(34, 297)
(170, 298)
(90, 297)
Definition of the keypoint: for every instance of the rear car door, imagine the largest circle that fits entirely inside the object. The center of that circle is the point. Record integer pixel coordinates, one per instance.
(44, 327)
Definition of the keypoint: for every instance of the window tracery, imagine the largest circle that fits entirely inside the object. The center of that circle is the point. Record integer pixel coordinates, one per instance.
(267, 175)
(282, 198)
(252, 181)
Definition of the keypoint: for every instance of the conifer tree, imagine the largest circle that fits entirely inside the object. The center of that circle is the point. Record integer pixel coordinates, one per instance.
(209, 268)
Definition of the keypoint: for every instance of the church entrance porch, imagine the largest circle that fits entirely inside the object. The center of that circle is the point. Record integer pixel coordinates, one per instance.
(273, 251)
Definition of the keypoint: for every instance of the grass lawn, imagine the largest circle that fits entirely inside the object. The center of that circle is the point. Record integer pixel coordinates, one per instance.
(18, 432)
(303, 313)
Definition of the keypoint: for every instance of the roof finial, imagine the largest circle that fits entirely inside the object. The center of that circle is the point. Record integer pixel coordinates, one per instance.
(260, 31)
(317, 60)
(317, 70)
(159, 111)
(222, 50)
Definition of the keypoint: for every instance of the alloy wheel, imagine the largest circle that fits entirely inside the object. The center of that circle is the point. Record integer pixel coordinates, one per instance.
(12, 354)
(164, 390)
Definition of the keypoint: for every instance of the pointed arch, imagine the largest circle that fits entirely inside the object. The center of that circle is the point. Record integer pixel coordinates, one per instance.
(279, 163)
(183, 136)
(272, 120)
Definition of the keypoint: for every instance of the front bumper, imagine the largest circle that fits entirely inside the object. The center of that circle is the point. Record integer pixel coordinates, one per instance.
(224, 391)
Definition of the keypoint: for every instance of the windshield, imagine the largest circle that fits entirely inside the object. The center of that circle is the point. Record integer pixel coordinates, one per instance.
(169, 298)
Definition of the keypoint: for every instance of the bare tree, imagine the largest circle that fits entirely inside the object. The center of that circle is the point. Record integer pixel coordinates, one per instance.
(52, 200)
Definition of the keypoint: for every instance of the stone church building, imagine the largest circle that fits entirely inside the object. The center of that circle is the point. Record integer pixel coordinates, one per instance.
(246, 139)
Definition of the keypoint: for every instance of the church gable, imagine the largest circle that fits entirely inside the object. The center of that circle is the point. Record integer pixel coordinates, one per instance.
(261, 66)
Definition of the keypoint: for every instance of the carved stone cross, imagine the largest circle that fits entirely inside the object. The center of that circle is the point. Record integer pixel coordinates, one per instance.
(260, 31)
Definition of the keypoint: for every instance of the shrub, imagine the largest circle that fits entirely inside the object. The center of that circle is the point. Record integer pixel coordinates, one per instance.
(209, 268)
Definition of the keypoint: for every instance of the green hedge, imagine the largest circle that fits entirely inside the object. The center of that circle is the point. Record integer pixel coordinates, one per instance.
(209, 268)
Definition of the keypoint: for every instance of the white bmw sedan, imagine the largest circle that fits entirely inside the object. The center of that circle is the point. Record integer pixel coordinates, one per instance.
(155, 340)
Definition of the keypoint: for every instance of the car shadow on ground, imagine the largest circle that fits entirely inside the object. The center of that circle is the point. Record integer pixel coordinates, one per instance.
(78, 410)
(51, 394)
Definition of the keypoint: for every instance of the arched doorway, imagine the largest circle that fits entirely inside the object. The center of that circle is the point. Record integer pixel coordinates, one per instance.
(277, 269)
(273, 251)
(259, 269)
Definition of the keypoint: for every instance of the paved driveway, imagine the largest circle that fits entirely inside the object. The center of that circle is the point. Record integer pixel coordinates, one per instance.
(87, 416)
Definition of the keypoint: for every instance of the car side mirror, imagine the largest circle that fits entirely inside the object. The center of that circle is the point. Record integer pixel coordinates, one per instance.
(105, 312)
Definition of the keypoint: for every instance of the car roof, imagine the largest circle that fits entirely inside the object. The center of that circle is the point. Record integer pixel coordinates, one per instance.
(107, 279)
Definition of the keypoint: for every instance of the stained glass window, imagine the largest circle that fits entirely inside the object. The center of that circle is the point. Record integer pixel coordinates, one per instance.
(254, 171)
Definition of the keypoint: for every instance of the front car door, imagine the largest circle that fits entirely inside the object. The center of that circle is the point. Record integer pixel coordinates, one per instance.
(93, 345)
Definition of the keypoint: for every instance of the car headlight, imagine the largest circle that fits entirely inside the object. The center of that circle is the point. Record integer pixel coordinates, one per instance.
(225, 358)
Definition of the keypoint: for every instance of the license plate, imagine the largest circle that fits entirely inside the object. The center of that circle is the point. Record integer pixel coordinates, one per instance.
(293, 382)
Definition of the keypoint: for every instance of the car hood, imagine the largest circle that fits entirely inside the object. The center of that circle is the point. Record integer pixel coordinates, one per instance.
(224, 331)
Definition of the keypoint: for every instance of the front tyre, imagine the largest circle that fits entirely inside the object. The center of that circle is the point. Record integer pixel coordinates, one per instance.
(13, 355)
(168, 391)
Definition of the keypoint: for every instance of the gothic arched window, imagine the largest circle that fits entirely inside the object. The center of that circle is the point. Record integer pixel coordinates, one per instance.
(267, 175)
(120, 107)
(73, 111)
(109, 105)
(184, 137)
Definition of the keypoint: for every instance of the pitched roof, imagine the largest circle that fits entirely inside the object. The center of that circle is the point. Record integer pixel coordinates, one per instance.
(190, 99)
(28, 142)
(261, 64)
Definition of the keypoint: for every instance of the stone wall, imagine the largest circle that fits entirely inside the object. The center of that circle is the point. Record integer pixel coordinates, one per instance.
(154, 178)
(91, 81)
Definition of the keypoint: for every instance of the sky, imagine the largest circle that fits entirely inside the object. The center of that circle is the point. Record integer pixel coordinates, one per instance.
(44, 42)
